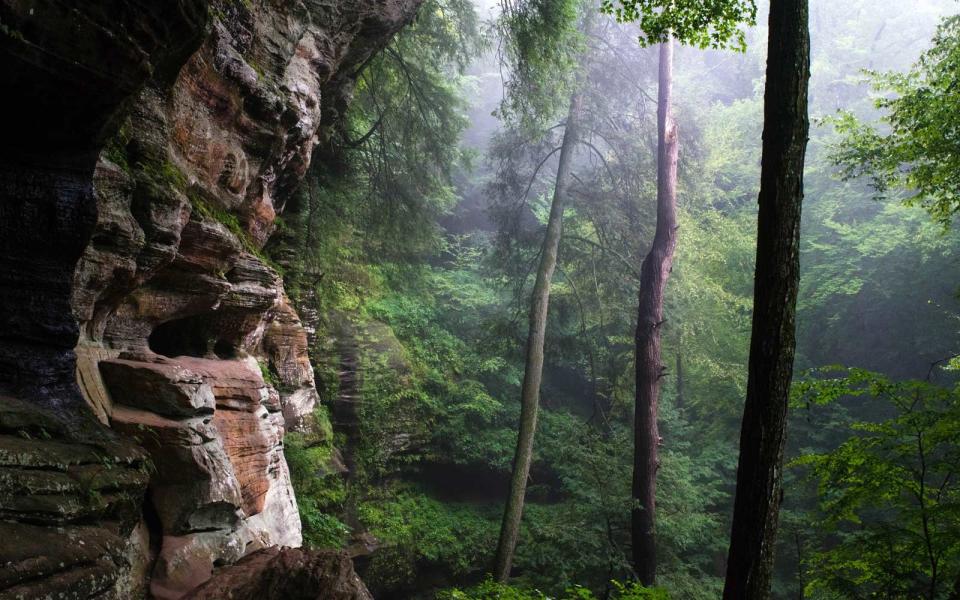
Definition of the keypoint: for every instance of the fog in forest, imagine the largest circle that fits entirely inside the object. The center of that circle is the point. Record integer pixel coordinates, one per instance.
(439, 257)
(481, 299)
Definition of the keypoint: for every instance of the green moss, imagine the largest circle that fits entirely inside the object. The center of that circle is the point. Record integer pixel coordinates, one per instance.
(269, 376)
(159, 176)
(229, 220)
(320, 490)
(156, 177)
(256, 67)
(116, 149)
(218, 9)
(216, 213)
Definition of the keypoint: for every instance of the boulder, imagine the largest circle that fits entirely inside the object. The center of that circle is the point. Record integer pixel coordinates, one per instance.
(285, 574)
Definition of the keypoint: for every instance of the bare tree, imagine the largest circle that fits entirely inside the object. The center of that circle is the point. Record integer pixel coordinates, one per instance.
(654, 273)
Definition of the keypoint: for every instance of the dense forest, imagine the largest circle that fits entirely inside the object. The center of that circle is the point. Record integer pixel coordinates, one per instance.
(419, 251)
(525, 300)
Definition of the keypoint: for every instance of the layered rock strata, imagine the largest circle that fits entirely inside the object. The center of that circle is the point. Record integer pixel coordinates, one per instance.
(220, 488)
(70, 489)
(150, 148)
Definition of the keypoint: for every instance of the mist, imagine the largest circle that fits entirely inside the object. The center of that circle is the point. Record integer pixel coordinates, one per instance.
(877, 308)
(480, 300)
(878, 292)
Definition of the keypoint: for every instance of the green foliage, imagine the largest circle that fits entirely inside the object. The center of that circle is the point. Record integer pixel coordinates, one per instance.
(432, 376)
(860, 265)
(492, 590)
(585, 431)
(700, 23)
(320, 490)
(435, 320)
(917, 150)
(385, 175)
(416, 529)
(890, 516)
(732, 162)
(540, 47)
(409, 113)
(711, 307)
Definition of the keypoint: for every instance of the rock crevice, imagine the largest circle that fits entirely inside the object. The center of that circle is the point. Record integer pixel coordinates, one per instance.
(140, 324)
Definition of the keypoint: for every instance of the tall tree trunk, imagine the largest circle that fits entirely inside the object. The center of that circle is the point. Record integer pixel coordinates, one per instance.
(772, 342)
(533, 369)
(653, 279)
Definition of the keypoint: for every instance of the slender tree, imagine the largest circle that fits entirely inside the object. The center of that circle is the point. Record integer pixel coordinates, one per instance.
(533, 367)
(776, 279)
(542, 49)
(654, 273)
(716, 24)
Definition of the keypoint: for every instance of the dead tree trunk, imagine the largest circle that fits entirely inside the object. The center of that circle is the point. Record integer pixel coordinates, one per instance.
(649, 369)
(533, 368)
(772, 341)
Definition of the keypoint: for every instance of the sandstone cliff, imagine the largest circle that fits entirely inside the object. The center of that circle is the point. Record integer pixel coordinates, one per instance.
(151, 150)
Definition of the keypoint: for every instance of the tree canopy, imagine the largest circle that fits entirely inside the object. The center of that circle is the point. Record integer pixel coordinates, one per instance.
(701, 23)
(915, 150)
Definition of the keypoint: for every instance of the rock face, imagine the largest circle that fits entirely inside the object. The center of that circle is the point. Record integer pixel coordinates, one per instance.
(70, 490)
(70, 500)
(63, 94)
(149, 151)
(287, 574)
(221, 486)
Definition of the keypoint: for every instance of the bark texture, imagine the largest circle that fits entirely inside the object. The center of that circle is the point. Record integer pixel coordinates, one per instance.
(772, 342)
(649, 369)
(533, 368)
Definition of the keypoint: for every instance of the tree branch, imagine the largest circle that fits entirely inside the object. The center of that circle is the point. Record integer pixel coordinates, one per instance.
(535, 171)
(359, 142)
(602, 248)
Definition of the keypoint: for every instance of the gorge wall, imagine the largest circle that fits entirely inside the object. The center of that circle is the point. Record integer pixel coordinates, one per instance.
(150, 361)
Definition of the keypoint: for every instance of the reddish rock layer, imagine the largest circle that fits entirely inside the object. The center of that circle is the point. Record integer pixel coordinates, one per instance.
(174, 304)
